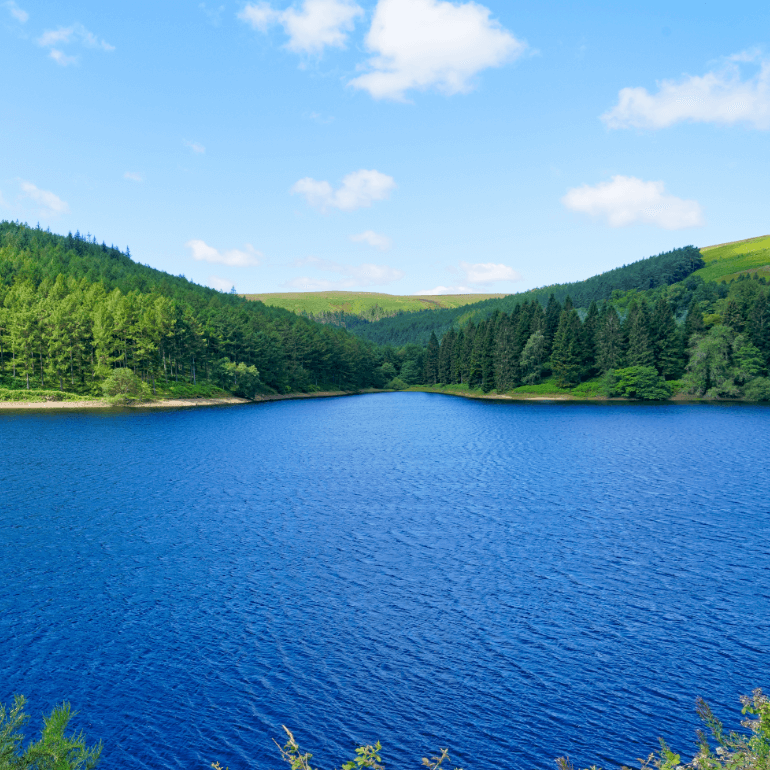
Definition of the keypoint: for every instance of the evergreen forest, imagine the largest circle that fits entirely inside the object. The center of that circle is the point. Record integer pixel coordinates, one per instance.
(73, 310)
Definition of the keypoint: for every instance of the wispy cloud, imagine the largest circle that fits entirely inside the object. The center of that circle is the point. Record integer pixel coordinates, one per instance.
(75, 34)
(356, 276)
(423, 44)
(220, 284)
(133, 176)
(626, 200)
(358, 190)
(214, 15)
(248, 257)
(49, 203)
(195, 147)
(381, 242)
(17, 13)
(480, 276)
(317, 24)
(721, 96)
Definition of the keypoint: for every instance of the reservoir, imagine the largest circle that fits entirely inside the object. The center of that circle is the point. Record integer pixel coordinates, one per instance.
(514, 581)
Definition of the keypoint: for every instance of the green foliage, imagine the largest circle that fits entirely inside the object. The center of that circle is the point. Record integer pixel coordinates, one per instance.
(54, 751)
(757, 389)
(123, 386)
(72, 311)
(641, 382)
(396, 384)
(729, 260)
(40, 396)
(732, 751)
(365, 757)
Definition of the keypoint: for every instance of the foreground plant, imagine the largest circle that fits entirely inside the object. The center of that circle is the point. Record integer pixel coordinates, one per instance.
(54, 750)
(732, 751)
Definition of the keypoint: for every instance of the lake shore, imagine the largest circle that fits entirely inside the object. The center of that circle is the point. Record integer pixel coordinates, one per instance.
(170, 402)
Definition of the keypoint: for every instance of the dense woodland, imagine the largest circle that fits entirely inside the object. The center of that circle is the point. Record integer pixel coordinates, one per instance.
(73, 310)
(646, 274)
(719, 348)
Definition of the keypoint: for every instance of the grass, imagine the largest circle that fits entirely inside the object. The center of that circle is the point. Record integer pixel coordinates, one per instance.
(362, 302)
(546, 389)
(729, 260)
(40, 396)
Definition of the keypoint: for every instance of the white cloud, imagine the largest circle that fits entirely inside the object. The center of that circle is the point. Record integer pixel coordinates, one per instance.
(17, 13)
(359, 190)
(316, 25)
(356, 275)
(234, 257)
(719, 96)
(381, 242)
(220, 284)
(445, 290)
(626, 200)
(49, 202)
(488, 272)
(133, 176)
(195, 147)
(75, 33)
(421, 44)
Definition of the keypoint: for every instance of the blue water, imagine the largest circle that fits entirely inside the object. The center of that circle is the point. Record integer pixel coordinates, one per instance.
(513, 581)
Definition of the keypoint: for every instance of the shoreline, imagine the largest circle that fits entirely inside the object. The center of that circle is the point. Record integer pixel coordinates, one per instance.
(171, 403)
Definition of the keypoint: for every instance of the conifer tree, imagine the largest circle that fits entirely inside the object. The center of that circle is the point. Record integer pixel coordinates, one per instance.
(666, 340)
(640, 351)
(551, 322)
(758, 326)
(445, 357)
(506, 360)
(457, 357)
(588, 333)
(567, 354)
(488, 355)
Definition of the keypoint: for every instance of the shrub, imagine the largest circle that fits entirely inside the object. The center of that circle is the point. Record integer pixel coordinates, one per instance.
(642, 382)
(758, 389)
(54, 750)
(123, 385)
(396, 384)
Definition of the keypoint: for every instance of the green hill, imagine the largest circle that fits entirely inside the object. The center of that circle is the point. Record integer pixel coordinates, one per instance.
(727, 261)
(72, 311)
(365, 304)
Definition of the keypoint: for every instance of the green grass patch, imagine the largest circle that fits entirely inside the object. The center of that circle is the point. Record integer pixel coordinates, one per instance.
(41, 396)
(729, 260)
(188, 390)
(362, 302)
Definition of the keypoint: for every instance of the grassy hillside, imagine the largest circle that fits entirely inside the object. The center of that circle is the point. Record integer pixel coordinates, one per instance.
(362, 303)
(729, 260)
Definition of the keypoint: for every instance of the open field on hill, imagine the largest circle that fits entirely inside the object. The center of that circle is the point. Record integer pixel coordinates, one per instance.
(729, 260)
(359, 302)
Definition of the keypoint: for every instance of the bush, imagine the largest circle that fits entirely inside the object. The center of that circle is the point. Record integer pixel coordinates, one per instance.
(54, 750)
(758, 389)
(642, 382)
(123, 386)
(396, 384)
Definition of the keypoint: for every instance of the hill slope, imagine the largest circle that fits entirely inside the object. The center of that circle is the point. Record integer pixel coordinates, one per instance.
(73, 310)
(727, 261)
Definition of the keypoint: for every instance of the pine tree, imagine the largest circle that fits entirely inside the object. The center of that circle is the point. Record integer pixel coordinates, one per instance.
(445, 357)
(457, 357)
(551, 322)
(759, 324)
(666, 340)
(640, 352)
(589, 332)
(506, 361)
(488, 356)
(567, 355)
(609, 342)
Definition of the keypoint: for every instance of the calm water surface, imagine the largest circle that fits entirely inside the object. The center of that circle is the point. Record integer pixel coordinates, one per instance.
(514, 581)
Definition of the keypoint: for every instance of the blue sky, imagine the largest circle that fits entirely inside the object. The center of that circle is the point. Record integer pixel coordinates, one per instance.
(400, 146)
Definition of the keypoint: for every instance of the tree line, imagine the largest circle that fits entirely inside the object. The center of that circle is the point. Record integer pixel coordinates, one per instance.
(73, 310)
(718, 347)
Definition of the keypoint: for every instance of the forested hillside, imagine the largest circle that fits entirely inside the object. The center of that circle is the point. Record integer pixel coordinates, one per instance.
(662, 270)
(73, 310)
(721, 349)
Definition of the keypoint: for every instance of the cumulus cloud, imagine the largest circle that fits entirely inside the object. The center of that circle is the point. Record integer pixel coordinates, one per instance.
(195, 147)
(220, 284)
(422, 44)
(74, 34)
(49, 203)
(381, 242)
(721, 96)
(358, 190)
(480, 275)
(356, 276)
(234, 257)
(488, 272)
(626, 200)
(17, 13)
(133, 176)
(316, 25)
